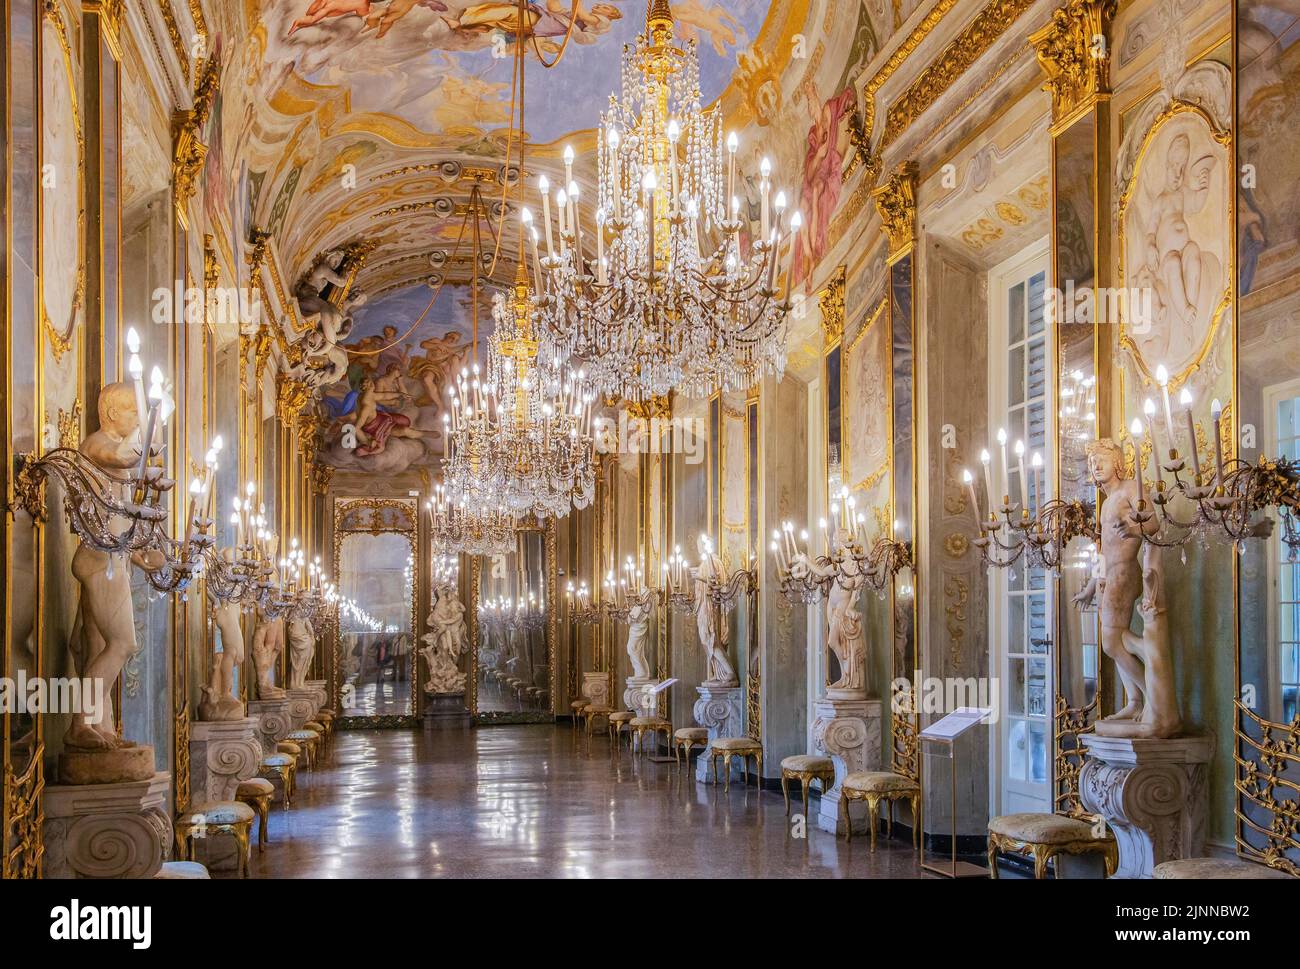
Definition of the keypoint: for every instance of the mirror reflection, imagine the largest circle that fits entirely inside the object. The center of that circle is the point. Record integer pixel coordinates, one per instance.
(377, 573)
(512, 654)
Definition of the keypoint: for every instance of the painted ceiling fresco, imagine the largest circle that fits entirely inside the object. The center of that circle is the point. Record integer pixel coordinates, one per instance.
(342, 121)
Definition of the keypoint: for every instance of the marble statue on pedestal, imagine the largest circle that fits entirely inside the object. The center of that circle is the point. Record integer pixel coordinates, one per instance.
(1131, 576)
(103, 638)
(302, 647)
(714, 632)
(638, 636)
(448, 640)
(844, 637)
(220, 698)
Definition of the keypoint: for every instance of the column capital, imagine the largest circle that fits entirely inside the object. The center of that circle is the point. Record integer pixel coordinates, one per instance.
(895, 200)
(1074, 52)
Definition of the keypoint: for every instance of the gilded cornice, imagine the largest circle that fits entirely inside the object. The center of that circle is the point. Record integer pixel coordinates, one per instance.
(179, 47)
(1074, 52)
(189, 152)
(831, 303)
(896, 203)
(953, 61)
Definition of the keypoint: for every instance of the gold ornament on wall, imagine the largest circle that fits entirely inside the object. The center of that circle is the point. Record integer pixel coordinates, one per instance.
(896, 203)
(831, 303)
(1074, 52)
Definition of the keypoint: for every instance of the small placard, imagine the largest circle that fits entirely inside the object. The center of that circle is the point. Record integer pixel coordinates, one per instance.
(956, 723)
(659, 688)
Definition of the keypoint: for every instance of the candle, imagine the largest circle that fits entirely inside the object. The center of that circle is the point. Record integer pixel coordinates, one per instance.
(732, 144)
(613, 140)
(1006, 480)
(985, 460)
(796, 221)
(1136, 430)
(1216, 412)
(568, 164)
(1024, 484)
(969, 480)
(1185, 401)
(765, 190)
(674, 132)
(562, 205)
(600, 245)
(1162, 378)
(544, 186)
(1149, 408)
(1037, 463)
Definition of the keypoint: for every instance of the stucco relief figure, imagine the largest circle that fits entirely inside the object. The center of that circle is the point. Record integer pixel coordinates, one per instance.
(302, 648)
(714, 635)
(1173, 242)
(1131, 577)
(844, 637)
(326, 360)
(220, 699)
(103, 638)
(638, 636)
(448, 641)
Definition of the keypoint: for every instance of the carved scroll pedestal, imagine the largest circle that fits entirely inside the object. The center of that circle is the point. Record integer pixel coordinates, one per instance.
(848, 732)
(222, 753)
(302, 706)
(322, 695)
(635, 697)
(595, 687)
(273, 723)
(721, 710)
(1152, 794)
(445, 711)
(108, 830)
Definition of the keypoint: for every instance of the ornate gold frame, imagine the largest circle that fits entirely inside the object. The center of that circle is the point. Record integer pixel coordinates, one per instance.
(552, 635)
(1176, 108)
(410, 530)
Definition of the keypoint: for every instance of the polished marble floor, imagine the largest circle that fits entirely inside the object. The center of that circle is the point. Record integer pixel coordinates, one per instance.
(538, 801)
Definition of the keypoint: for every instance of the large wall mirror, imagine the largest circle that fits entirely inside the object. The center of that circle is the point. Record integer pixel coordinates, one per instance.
(376, 549)
(513, 630)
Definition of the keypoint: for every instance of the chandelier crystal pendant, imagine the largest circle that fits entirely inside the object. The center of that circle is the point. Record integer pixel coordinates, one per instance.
(473, 528)
(520, 435)
(671, 298)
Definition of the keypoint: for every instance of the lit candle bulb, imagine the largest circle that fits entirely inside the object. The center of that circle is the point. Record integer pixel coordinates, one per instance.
(1135, 429)
(1149, 409)
(969, 480)
(1216, 412)
(544, 186)
(1185, 401)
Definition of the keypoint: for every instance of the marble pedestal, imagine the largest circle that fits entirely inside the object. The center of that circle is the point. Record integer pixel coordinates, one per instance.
(222, 753)
(849, 733)
(322, 695)
(302, 706)
(108, 830)
(636, 698)
(596, 688)
(1152, 794)
(273, 723)
(720, 710)
(445, 711)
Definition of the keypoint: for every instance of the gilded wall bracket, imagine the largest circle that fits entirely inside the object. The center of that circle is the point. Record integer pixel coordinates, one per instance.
(896, 202)
(1074, 52)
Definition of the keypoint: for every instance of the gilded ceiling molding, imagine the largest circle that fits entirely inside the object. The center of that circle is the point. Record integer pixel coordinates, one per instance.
(660, 406)
(831, 303)
(211, 267)
(189, 152)
(896, 203)
(321, 475)
(1074, 52)
(291, 397)
(110, 13)
(953, 61)
(179, 47)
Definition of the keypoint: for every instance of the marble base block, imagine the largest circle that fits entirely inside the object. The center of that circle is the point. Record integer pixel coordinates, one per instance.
(636, 697)
(445, 711)
(322, 695)
(273, 722)
(720, 710)
(117, 766)
(108, 830)
(222, 754)
(849, 733)
(595, 687)
(302, 706)
(1152, 794)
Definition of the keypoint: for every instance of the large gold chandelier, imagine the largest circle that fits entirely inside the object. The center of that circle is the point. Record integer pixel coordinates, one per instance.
(458, 525)
(670, 298)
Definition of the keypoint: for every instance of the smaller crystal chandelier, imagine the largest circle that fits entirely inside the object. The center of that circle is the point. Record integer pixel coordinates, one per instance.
(469, 527)
(522, 437)
(672, 300)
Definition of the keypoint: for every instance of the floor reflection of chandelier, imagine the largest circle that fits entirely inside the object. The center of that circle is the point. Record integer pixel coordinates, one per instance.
(672, 299)
(521, 435)
(474, 528)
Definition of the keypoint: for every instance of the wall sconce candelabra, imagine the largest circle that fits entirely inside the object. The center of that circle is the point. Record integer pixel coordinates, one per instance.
(723, 588)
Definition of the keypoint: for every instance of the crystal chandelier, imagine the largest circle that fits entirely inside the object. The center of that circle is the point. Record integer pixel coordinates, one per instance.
(469, 527)
(670, 299)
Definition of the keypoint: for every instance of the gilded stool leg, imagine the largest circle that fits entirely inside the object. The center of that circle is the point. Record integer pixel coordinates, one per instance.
(993, 857)
(844, 816)
(263, 810)
(245, 849)
(726, 770)
(785, 791)
(916, 821)
(758, 773)
(1042, 856)
(889, 821)
(873, 817)
(806, 782)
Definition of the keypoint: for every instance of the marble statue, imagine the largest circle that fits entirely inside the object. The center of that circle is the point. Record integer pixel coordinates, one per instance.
(326, 359)
(220, 699)
(844, 634)
(638, 636)
(713, 632)
(1130, 575)
(103, 637)
(447, 641)
(268, 641)
(302, 647)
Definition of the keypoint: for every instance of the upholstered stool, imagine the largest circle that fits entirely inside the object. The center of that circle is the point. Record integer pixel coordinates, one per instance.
(619, 721)
(655, 725)
(182, 869)
(256, 792)
(591, 714)
(576, 708)
(1234, 868)
(223, 817)
(323, 741)
(806, 768)
(1044, 836)
(686, 738)
(742, 747)
(285, 767)
(874, 786)
(308, 740)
